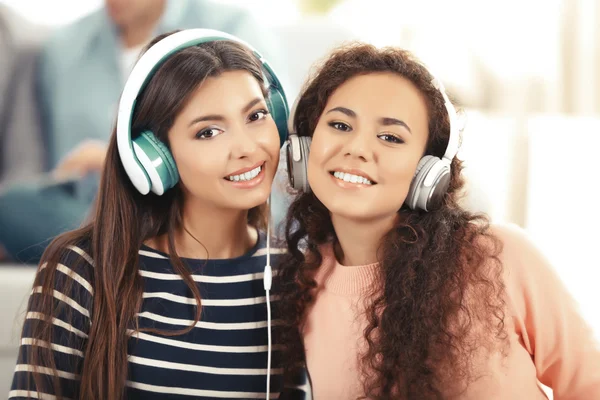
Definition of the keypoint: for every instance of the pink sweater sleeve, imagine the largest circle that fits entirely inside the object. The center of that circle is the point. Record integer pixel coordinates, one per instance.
(562, 344)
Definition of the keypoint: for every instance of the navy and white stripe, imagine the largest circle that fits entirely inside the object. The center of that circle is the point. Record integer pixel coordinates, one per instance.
(223, 357)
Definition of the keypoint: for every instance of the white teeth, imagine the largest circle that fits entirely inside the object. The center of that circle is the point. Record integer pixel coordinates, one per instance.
(247, 176)
(352, 178)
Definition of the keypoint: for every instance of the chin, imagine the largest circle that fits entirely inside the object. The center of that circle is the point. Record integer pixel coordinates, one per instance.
(360, 211)
(348, 210)
(354, 215)
(250, 201)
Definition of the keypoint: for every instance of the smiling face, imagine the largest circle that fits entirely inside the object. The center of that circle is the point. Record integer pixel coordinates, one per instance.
(225, 143)
(366, 146)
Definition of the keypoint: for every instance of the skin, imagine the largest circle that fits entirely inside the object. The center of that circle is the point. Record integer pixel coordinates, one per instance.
(375, 126)
(224, 130)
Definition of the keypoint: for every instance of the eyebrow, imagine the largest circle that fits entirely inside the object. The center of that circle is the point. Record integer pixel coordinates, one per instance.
(385, 121)
(343, 110)
(217, 117)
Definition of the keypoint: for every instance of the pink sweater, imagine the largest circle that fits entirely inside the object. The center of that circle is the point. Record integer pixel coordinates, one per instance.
(549, 341)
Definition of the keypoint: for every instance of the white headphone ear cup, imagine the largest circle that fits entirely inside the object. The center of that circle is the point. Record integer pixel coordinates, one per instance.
(303, 169)
(416, 186)
(433, 197)
(292, 155)
(297, 159)
(424, 161)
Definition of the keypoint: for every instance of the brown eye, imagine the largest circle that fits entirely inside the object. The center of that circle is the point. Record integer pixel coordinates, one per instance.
(340, 126)
(391, 138)
(258, 115)
(208, 133)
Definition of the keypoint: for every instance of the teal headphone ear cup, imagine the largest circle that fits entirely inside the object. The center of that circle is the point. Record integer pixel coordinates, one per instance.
(154, 150)
(147, 162)
(276, 100)
(278, 109)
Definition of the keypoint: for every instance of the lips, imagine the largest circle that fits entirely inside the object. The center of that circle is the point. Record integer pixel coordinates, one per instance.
(245, 174)
(353, 176)
(244, 170)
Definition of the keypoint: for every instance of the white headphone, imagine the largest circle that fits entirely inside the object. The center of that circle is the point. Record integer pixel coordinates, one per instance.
(432, 176)
(267, 282)
(148, 162)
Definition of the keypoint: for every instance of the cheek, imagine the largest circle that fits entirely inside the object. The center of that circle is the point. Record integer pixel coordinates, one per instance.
(273, 148)
(399, 172)
(311, 171)
(404, 171)
(269, 140)
(322, 147)
(195, 165)
(315, 160)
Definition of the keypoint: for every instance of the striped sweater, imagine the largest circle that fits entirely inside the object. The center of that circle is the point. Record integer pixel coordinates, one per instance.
(223, 356)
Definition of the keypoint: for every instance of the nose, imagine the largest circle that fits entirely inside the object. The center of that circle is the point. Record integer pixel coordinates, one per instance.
(244, 144)
(359, 146)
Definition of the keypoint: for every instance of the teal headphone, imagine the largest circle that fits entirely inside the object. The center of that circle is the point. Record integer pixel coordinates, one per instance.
(146, 160)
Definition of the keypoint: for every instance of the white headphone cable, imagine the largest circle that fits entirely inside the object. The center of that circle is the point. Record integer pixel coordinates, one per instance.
(267, 281)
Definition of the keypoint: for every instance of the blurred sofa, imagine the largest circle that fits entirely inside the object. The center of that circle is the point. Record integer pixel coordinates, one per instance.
(15, 285)
(21, 142)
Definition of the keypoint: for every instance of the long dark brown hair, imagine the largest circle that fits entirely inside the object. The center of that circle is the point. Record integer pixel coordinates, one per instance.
(123, 219)
(423, 327)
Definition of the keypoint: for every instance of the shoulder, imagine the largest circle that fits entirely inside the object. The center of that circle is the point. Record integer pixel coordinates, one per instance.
(67, 43)
(71, 263)
(217, 12)
(508, 233)
(208, 14)
(517, 247)
(78, 255)
(507, 241)
(233, 19)
(511, 246)
(527, 271)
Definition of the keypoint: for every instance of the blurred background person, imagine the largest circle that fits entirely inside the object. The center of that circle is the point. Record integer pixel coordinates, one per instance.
(81, 70)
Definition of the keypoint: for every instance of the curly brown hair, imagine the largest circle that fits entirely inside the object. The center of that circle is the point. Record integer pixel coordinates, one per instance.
(423, 325)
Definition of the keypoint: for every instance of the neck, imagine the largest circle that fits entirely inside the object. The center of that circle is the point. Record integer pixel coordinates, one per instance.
(140, 31)
(212, 233)
(358, 241)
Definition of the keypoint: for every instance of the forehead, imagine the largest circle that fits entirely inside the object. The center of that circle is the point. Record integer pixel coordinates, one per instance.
(227, 92)
(381, 94)
(227, 84)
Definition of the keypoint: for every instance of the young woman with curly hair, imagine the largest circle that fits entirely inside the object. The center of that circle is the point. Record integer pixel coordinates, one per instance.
(391, 290)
